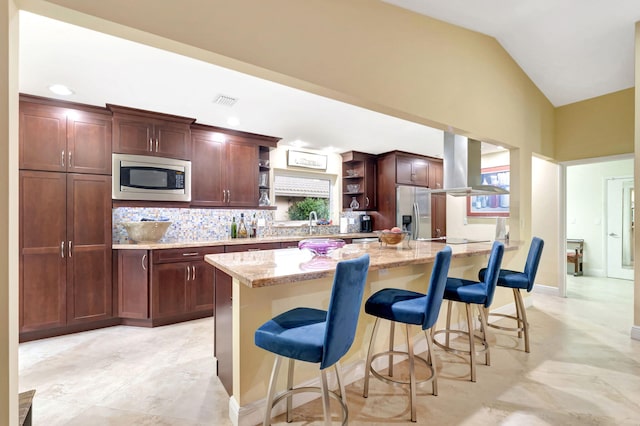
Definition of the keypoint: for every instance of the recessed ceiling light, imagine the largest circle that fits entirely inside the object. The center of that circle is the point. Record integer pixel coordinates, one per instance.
(298, 143)
(233, 121)
(60, 89)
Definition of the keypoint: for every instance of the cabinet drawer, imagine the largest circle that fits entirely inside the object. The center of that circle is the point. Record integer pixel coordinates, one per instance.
(184, 254)
(251, 247)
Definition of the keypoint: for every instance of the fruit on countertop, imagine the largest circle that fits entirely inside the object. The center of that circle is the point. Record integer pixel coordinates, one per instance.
(396, 229)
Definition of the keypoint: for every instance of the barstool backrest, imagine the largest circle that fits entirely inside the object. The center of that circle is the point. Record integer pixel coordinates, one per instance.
(493, 271)
(437, 284)
(533, 260)
(344, 308)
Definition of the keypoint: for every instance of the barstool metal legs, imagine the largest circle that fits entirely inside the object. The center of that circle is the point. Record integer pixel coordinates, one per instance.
(522, 325)
(470, 334)
(325, 398)
(272, 390)
(412, 374)
(472, 342)
(413, 382)
(272, 399)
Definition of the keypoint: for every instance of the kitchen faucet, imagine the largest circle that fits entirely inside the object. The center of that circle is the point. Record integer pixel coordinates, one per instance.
(312, 216)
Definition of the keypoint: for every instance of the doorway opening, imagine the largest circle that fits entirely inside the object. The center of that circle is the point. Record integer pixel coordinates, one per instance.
(599, 210)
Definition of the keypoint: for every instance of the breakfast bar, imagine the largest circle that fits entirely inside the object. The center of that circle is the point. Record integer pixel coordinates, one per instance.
(252, 287)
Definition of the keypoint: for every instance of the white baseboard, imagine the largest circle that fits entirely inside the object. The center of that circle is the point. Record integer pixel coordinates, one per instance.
(546, 289)
(635, 332)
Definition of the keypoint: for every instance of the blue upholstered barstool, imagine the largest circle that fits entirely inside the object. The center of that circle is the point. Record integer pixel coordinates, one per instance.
(472, 293)
(408, 307)
(517, 281)
(317, 336)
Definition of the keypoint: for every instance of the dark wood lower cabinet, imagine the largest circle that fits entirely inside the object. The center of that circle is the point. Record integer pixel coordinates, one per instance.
(223, 334)
(159, 287)
(133, 284)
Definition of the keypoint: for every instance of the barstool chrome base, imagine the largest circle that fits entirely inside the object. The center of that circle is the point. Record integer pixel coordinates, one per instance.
(430, 364)
(522, 326)
(273, 399)
(471, 336)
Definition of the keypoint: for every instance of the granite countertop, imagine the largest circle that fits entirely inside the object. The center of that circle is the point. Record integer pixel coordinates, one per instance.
(234, 241)
(282, 266)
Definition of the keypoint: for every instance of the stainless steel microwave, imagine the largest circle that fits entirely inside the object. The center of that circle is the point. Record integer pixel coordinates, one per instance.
(146, 178)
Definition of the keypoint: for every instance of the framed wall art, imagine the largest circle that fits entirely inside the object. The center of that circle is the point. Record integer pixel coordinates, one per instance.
(306, 159)
(491, 205)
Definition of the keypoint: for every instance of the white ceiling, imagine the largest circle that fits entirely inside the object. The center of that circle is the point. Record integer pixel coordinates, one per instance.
(571, 49)
(540, 35)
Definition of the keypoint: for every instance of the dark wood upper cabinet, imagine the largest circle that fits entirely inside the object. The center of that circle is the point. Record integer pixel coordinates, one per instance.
(402, 168)
(412, 170)
(436, 173)
(64, 137)
(225, 166)
(149, 133)
(359, 175)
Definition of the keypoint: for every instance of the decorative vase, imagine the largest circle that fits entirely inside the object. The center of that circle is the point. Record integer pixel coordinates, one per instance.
(264, 198)
(354, 204)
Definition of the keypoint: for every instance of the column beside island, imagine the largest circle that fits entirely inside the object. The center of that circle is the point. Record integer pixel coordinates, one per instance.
(252, 287)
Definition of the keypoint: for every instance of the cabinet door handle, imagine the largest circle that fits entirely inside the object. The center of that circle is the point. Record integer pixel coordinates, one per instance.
(70, 248)
(150, 145)
(69, 162)
(191, 254)
(228, 195)
(156, 144)
(366, 201)
(188, 273)
(144, 262)
(62, 249)
(62, 158)
(193, 274)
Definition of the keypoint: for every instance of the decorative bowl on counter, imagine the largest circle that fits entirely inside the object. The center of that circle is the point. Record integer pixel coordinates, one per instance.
(321, 246)
(391, 237)
(146, 231)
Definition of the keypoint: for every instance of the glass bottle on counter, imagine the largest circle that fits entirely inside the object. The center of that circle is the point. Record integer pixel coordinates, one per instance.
(234, 228)
(254, 227)
(242, 228)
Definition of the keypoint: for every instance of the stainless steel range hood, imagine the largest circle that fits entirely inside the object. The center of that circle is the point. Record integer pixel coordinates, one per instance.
(461, 165)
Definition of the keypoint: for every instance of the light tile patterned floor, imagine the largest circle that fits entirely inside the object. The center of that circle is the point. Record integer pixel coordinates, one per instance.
(583, 369)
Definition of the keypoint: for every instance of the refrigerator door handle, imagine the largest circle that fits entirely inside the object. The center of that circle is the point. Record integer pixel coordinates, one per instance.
(416, 220)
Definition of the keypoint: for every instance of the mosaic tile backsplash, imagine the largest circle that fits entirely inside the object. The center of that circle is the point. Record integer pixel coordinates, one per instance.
(213, 224)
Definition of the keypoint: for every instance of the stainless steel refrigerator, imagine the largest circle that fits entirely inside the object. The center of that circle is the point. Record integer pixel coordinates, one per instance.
(413, 211)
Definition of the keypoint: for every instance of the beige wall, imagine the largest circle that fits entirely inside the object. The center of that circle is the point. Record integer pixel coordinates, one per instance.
(545, 224)
(8, 214)
(597, 127)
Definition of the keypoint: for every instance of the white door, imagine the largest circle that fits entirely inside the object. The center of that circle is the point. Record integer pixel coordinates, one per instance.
(620, 204)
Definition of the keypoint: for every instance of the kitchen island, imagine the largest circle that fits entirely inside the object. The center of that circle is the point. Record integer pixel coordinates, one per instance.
(252, 287)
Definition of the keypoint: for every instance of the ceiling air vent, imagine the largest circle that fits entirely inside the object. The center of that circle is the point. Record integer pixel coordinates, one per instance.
(225, 100)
